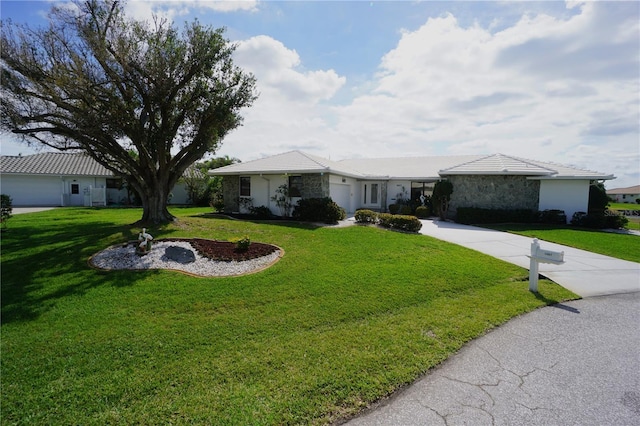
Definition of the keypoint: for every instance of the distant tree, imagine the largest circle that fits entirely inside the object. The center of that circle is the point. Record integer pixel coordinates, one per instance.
(102, 83)
(203, 189)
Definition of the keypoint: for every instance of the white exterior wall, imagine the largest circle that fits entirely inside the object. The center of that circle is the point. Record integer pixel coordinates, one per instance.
(35, 190)
(395, 187)
(625, 198)
(568, 195)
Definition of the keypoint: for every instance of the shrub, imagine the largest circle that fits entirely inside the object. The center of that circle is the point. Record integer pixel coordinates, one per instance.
(442, 191)
(599, 221)
(555, 217)
(476, 215)
(615, 221)
(394, 208)
(6, 208)
(405, 210)
(319, 210)
(422, 212)
(400, 222)
(262, 212)
(366, 216)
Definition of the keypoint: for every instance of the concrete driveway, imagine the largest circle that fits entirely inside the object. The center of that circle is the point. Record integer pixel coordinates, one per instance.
(586, 274)
(21, 210)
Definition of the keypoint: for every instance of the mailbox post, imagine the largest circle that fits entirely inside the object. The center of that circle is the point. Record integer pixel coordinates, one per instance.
(540, 255)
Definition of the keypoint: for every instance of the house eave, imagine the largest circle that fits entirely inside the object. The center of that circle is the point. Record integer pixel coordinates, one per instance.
(585, 177)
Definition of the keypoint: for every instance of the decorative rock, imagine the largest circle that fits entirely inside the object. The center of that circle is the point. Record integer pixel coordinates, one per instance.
(180, 254)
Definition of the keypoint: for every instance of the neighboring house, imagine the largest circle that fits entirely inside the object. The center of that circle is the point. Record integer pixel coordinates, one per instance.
(64, 179)
(625, 195)
(495, 181)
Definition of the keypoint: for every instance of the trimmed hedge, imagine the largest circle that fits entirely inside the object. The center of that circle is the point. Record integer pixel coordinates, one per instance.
(400, 222)
(319, 210)
(476, 215)
(366, 216)
(598, 221)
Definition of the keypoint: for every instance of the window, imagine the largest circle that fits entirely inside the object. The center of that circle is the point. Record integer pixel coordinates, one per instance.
(245, 186)
(114, 183)
(374, 193)
(295, 186)
(75, 188)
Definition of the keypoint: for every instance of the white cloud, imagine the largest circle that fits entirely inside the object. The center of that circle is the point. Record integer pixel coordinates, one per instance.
(145, 9)
(544, 88)
(290, 112)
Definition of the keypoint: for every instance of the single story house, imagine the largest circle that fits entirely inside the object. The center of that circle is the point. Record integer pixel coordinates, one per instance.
(486, 181)
(625, 195)
(64, 179)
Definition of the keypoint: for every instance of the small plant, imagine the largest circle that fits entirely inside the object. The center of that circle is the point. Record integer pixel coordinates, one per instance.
(242, 243)
(6, 208)
(283, 200)
(394, 208)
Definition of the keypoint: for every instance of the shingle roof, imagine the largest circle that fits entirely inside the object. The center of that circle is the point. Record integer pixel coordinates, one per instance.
(288, 162)
(53, 163)
(498, 164)
(622, 191)
(409, 168)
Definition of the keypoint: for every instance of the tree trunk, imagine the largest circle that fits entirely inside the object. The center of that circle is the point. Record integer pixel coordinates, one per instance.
(154, 207)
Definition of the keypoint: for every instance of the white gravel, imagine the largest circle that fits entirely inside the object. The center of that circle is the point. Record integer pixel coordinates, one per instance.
(118, 257)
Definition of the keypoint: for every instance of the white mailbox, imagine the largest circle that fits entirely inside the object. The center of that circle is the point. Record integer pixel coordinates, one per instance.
(540, 255)
(544, 255)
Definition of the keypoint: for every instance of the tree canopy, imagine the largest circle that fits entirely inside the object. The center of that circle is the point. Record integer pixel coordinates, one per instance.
(97, 81)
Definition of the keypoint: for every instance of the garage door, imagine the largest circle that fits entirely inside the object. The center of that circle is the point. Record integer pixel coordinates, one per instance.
(32, 190)
(341, 194)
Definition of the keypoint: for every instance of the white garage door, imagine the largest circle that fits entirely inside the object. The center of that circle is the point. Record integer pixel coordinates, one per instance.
(32, 190)
(341, 194)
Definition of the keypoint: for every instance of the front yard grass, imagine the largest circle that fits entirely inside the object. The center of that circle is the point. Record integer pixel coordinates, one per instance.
(621, 246)
(346, 317)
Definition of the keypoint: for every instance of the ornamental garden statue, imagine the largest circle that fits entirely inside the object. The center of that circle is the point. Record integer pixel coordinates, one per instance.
(144, 245)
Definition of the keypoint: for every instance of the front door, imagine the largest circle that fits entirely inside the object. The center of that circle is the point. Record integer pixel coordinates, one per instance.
(371, 194)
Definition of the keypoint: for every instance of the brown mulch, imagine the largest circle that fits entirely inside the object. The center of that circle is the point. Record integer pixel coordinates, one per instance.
(225, 251)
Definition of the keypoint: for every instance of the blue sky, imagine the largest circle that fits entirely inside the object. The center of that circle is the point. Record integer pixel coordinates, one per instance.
(548, 80)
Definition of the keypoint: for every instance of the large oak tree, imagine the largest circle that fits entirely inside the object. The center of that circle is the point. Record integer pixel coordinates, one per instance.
(145, 99)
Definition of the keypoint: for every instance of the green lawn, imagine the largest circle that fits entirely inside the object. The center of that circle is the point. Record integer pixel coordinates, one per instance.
(346, 317)
(624, 206)
(625, 247)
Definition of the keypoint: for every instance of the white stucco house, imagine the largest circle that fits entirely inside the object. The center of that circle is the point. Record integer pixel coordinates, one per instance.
(625, 195)
(64, 179)
(485, 181)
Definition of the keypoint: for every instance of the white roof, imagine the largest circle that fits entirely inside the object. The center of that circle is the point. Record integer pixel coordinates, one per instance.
(409, 168)
(622, 191)
(289, 162)
(54, 163)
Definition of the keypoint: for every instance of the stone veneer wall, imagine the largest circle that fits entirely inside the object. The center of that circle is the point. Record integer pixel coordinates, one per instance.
(230, 193)
(315, 185)
(493, 192)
